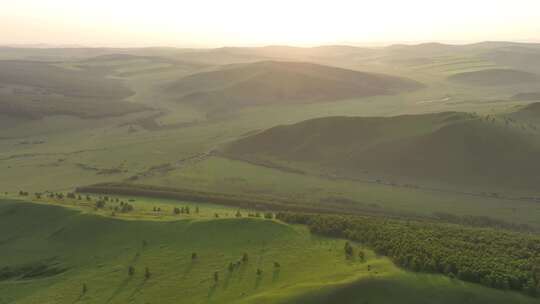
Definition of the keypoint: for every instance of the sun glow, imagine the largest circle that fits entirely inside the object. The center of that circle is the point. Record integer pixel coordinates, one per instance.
(244, 22)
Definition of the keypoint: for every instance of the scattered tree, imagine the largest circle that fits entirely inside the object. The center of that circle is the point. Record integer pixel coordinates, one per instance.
(147, 273)
(127, 208)
(361, 255)
(216, 277)
(245, 258)
(194, 256)
(84, 288)
(131, 271)
(259, 272)
(349, 250)
(238, 214)
(100, 204)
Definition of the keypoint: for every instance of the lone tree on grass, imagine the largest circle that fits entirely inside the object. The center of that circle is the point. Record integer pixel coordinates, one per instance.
(238, 214)
(194, 256)
(259, 272)
(245, 258)
(100, 204)
(277, 265)
(361, 255)
(84, 288)
(197, 209)
(127, 208)
(231, 267)
(147, 273)
(349, 250)
(216, 277)
(131, 271)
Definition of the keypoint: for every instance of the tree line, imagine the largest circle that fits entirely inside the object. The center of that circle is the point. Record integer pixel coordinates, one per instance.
(491, 257)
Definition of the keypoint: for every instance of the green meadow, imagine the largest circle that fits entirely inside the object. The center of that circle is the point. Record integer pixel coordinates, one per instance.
(55, 251)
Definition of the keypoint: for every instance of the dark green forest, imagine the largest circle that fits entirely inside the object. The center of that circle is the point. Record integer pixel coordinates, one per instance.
(492, 257)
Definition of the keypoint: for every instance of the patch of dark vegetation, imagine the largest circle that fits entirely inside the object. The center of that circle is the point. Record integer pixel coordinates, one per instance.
(31, 142)
(329, 205)
(480, 221)
(494, 258)
(34, 270)
(103, 171)
(150, 123)
(494, 77)
(258, 202)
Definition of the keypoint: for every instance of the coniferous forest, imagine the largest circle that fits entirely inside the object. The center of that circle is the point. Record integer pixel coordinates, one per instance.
(494, 258)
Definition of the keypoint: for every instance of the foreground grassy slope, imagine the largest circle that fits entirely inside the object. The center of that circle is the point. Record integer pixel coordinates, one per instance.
(449, 148)
(74, 248)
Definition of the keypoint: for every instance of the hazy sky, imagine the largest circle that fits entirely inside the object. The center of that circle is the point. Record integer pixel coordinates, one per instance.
(215, 23)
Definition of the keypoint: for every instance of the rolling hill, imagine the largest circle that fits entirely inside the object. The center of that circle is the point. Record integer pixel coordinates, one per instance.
(36, 89)
(272, 82)
(450, 148)
(494, 77)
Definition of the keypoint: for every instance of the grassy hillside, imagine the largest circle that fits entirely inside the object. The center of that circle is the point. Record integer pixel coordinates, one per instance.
(272, 82)
(36, 89)
(51, 252)
(451, 148)
(528, 114)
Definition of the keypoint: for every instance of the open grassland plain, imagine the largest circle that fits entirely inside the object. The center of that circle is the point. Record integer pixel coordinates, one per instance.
(51, 254)
(255, 182)
(173, 143)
